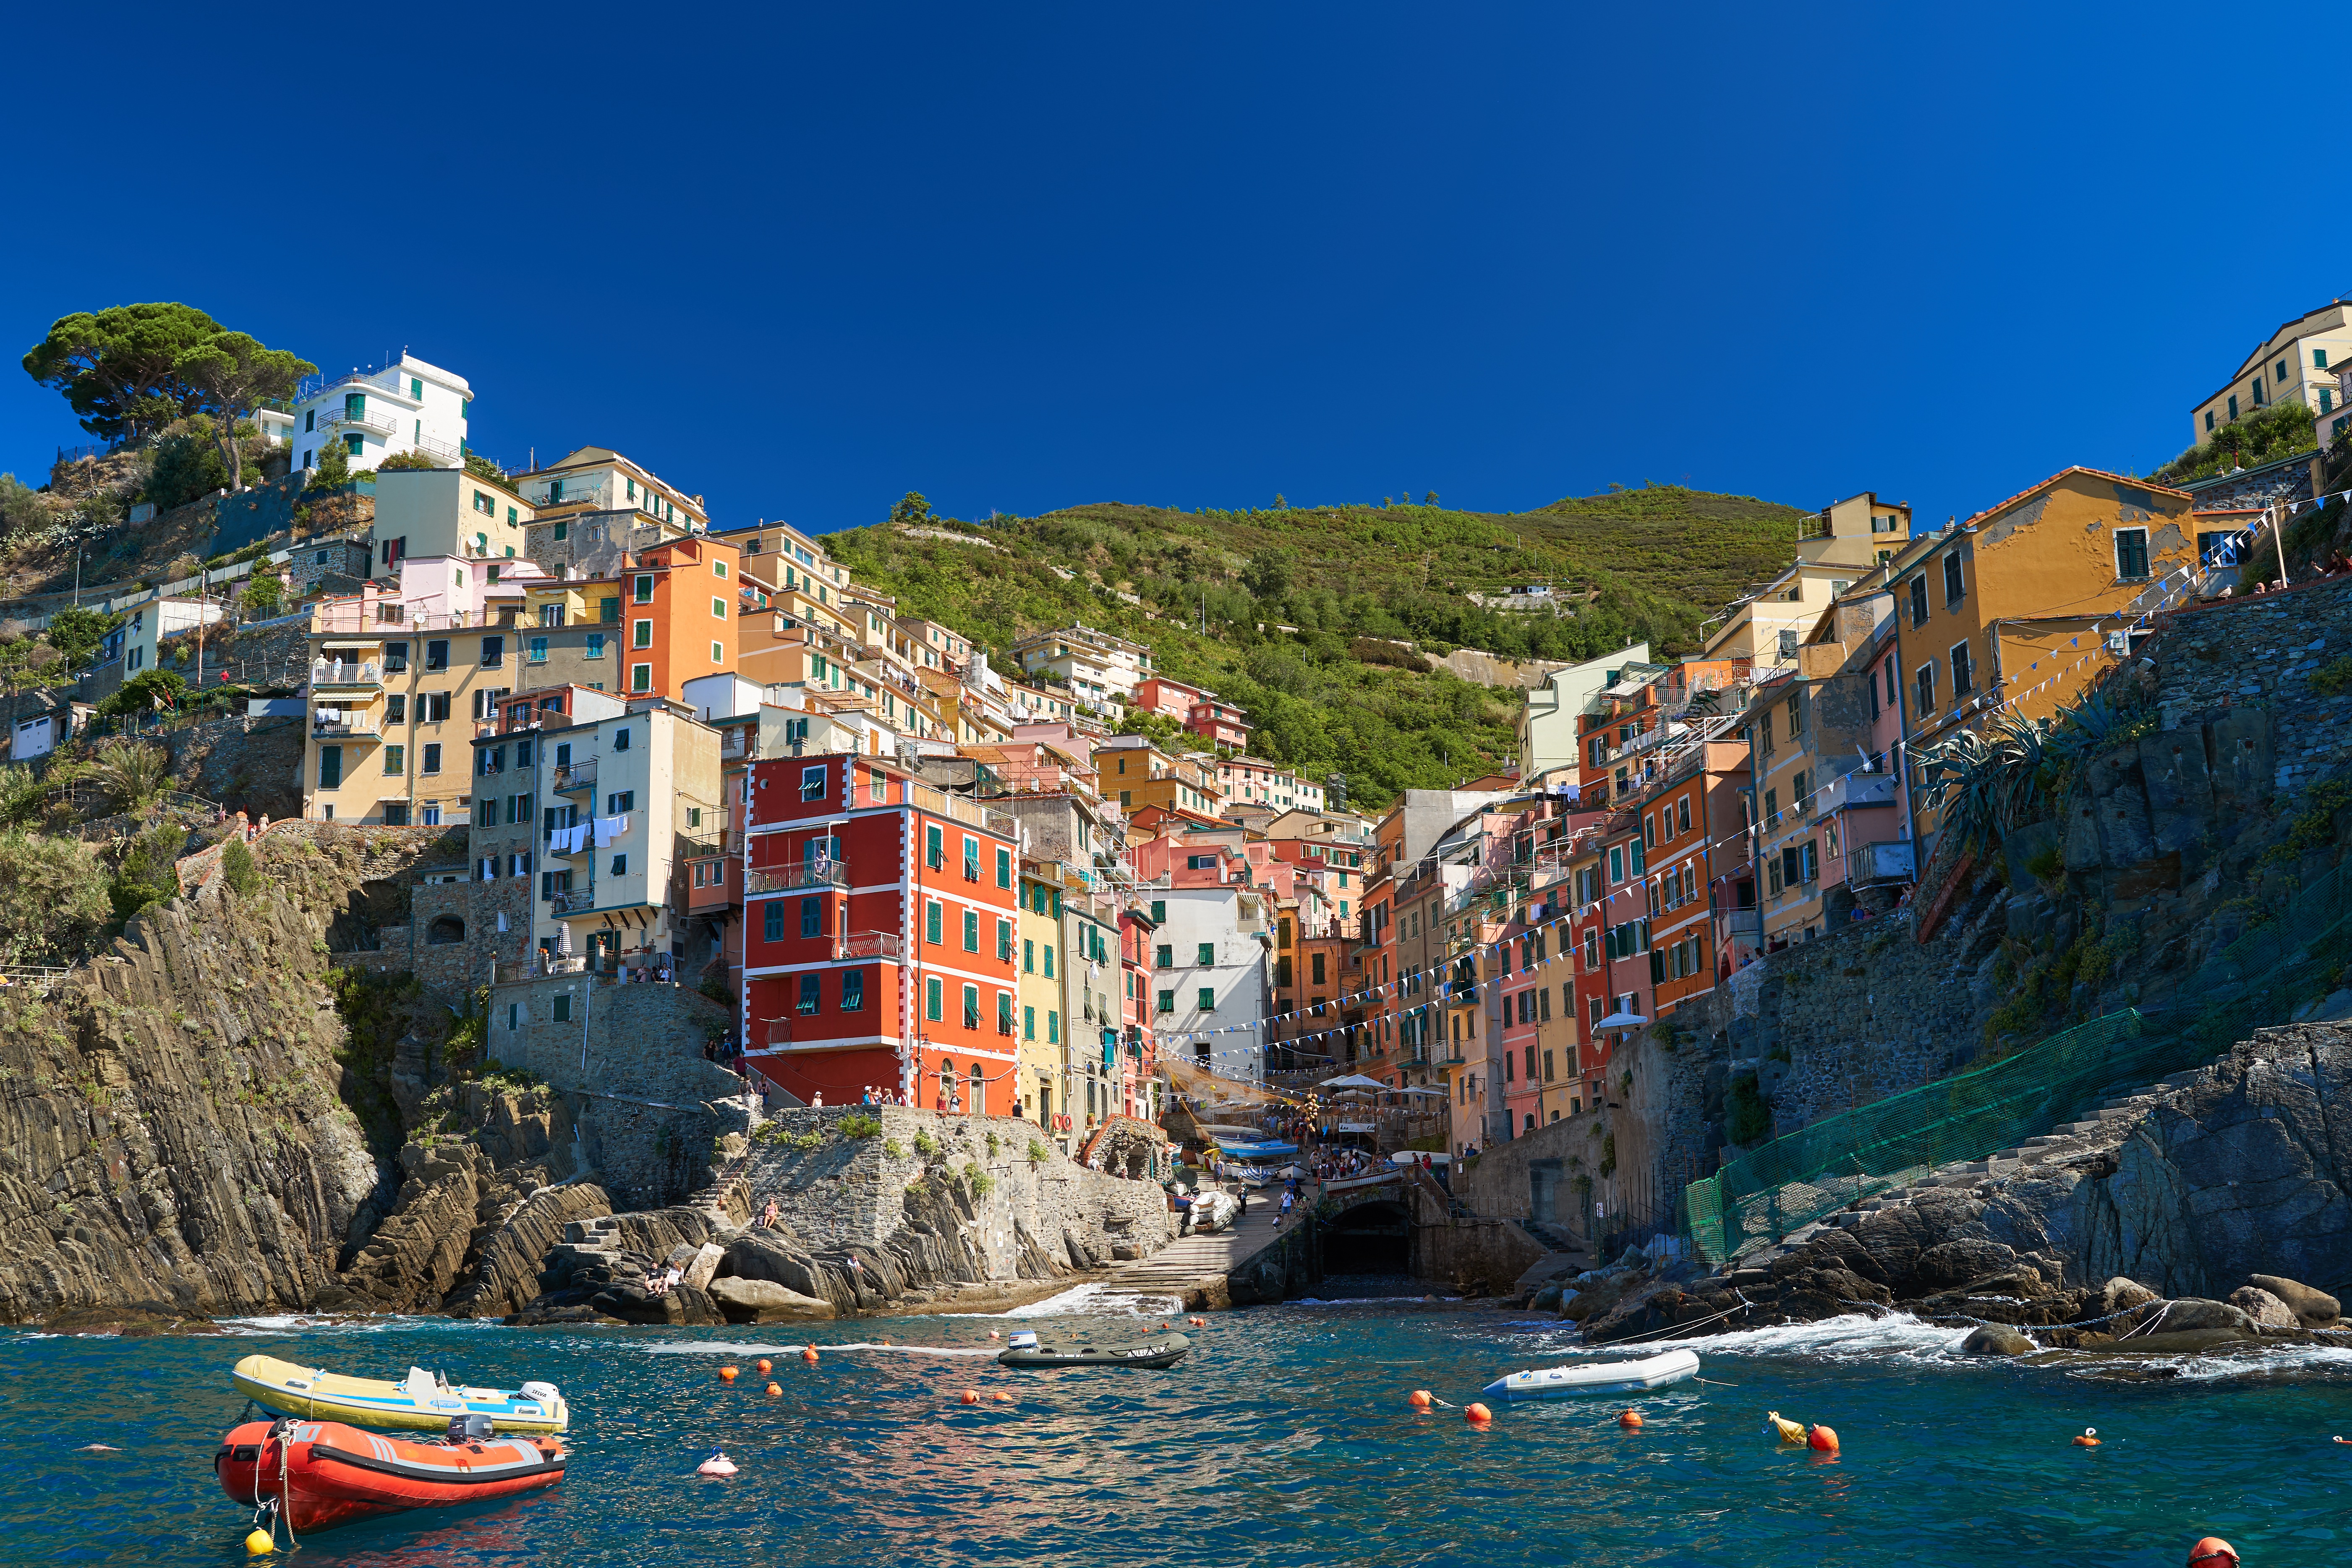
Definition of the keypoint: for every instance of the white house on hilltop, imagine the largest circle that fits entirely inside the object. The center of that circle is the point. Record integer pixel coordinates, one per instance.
(408, 406)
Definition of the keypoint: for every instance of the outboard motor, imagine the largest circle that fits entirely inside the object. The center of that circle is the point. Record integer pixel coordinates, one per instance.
(471, 1428)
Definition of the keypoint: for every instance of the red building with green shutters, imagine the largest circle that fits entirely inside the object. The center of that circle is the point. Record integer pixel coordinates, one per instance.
(877, 951)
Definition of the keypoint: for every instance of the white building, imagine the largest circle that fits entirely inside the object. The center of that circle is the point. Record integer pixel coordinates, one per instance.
(158, 618)
(1210, 979)
(408, 406)
(597, 478)
(1096, 666)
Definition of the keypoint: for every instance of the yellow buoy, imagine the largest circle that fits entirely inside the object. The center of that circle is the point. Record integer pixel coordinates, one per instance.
(1788, 1431)
(259, 1545)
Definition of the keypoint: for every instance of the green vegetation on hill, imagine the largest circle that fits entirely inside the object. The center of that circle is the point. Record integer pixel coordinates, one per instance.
(1296, 613)
(2281, 430)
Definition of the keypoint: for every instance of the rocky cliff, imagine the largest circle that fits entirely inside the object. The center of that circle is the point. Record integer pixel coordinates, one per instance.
(174, 1129)
(2221, 1191)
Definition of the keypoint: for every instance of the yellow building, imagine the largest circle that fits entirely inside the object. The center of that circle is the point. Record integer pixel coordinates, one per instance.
(1039, 1023)
(444, 511)
(1836, 547)
(2298, 361)
(2024, 604)
(393, 710)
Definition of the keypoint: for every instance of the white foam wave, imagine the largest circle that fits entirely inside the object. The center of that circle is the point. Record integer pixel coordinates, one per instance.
(2284, 1361)
(1364, 1300)
(1099, 1300)
(1854, 1337)
(298, 1324)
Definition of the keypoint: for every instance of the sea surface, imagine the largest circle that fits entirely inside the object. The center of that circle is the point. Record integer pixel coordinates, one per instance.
(1285, 1438)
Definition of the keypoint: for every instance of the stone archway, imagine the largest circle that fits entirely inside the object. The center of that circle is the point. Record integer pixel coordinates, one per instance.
(444, 931)
(1374, 1238)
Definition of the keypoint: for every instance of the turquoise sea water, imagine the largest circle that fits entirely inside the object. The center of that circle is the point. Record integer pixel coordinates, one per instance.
(1285, 1438)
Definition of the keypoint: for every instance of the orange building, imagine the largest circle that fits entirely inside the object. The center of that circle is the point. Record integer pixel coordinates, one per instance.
(677, 614)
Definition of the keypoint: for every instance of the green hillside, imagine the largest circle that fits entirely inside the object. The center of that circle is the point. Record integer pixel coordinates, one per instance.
(1295, 612)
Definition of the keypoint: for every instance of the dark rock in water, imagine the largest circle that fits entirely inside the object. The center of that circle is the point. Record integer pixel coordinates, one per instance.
(680, 1305)
(2188, 1315)
(1994, 1341)
(2313, 1308)
(2121, 1295)
(130, 1322)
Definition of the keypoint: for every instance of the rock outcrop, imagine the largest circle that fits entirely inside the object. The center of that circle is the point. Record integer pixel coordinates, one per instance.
(175, 1129)
(2194, 1211)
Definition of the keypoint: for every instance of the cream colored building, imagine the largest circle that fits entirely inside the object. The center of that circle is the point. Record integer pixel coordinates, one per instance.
(444, 511)
(2299, 360)
(1836, 548)
(597, 478)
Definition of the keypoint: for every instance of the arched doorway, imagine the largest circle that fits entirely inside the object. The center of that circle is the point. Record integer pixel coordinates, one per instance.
(444, 932)
(1372, 1238)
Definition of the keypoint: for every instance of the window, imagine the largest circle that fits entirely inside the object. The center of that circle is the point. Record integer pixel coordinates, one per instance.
(2131, 552)
(330, 767)
(931, 997)
(494, 652)
(1163, 956)
(1003, 865)
(620, 865)
(1963, 678)
(432, 758)
(934, 856)
(813, 782)
(644, 592)
(1053, 1027)
(772, 922)
(641, 677)
(1028, 1022)
(1166, 1002)
(620, 800)
(971, 860)
(808, 996)
(2319, 359)
(1028, 956)
(641, 634)
(972, 931)
(2209, 419)
(853, 990)
(1927, 684)
(608, 611)
(2282, 374)
(395, 658)
(932, 918)
(1004, 942)
(564, 1007)
(972, 1021)
(436, 654)
(718, 608)
(395, 761)
(812, 917)
(719, 653)
(1207, 1002)
(1159, 912)
(1616, 864)
(1049, 960)
(1919, 601)
(538, 651)
(1952, 588)
(2233, 407)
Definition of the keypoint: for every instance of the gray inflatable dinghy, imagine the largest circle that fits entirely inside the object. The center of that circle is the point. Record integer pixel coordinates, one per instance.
(1027, 1351)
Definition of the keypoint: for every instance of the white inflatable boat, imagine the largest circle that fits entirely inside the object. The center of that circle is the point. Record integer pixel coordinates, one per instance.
(1597, 1377)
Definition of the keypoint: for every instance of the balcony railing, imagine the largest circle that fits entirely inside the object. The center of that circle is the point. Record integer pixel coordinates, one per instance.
(572, 778)
(870, 944)
(1875, 863)
(338, 723)
(438, 446)
(365, 419)
(1856, 789)
(346, 672)
(820, 872)
(572, 901)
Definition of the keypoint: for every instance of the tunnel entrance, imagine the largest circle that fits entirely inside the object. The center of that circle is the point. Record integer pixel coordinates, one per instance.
(1370, 1238)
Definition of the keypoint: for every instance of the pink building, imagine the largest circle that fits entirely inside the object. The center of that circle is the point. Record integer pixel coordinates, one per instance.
(1168, 699)
(1219, 722)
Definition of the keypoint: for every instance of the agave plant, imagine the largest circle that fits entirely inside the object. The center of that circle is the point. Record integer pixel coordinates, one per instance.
(133, 773)
(1985, 783)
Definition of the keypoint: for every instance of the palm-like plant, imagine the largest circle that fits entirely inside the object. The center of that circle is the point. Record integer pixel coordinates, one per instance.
(133, 773)
(1985, 783)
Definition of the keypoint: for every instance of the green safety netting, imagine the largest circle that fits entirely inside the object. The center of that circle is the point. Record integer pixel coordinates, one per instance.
(1806, 1176)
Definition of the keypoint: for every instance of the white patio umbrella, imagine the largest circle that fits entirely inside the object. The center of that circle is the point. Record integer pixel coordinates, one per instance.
(1353, 1080)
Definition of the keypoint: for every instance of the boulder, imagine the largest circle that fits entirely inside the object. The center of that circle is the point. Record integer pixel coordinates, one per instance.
(2266, 1309)
(2121, 1295)
(1546, 1300)
(745, 1300)
(2313, 1308)
(2191, 1314)
(1994, 1340)
(701, 1266)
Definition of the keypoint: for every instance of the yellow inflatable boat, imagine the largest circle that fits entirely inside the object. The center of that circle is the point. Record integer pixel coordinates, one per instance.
(421, 1402)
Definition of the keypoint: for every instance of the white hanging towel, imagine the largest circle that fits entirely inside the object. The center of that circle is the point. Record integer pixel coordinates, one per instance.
(608, 828)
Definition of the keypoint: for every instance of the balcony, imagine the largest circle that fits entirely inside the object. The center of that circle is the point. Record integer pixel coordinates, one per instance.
(819, 872)
(572, 901)
(575, 778)
(1848, 791)
(869, 944)
(1746, 926)
(1876, 864)
(347, 674)
(438, 448)
(365, 419)
(343, 724)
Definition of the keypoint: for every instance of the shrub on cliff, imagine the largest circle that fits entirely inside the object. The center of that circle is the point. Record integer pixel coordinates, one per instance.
(861, 1126)
(57, 902)
(244, 878)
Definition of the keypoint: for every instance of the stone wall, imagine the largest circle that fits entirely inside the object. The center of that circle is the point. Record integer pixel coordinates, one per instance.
(453, 969)
(855, 1190)
(2289, 480)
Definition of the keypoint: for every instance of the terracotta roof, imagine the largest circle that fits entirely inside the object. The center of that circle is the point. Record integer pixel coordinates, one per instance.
(2063, 473)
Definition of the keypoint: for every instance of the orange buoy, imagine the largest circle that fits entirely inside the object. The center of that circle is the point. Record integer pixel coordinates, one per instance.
(1003, 1397)
(1198, 1322)
(992, 1333)
(968, 1397)
(1477, 1414)
(773, 1390)
(1630, 1419)
(764, 1366)
(808, 1354)
(2212, 1550)
(726, 1375)
(1419, 1400)
(1821, 1438)
(2089, 1439)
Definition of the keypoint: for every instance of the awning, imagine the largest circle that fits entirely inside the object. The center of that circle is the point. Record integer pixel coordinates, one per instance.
(1353, 1080)
(1622, 1021)
(1257, 1150)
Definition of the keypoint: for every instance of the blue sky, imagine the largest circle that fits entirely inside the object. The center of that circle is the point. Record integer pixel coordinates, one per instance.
(802, 259)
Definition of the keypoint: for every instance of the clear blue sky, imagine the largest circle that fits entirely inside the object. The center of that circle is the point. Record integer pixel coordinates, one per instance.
(801, 259)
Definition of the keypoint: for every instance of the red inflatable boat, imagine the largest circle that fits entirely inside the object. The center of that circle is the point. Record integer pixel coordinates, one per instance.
(321, 1473)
